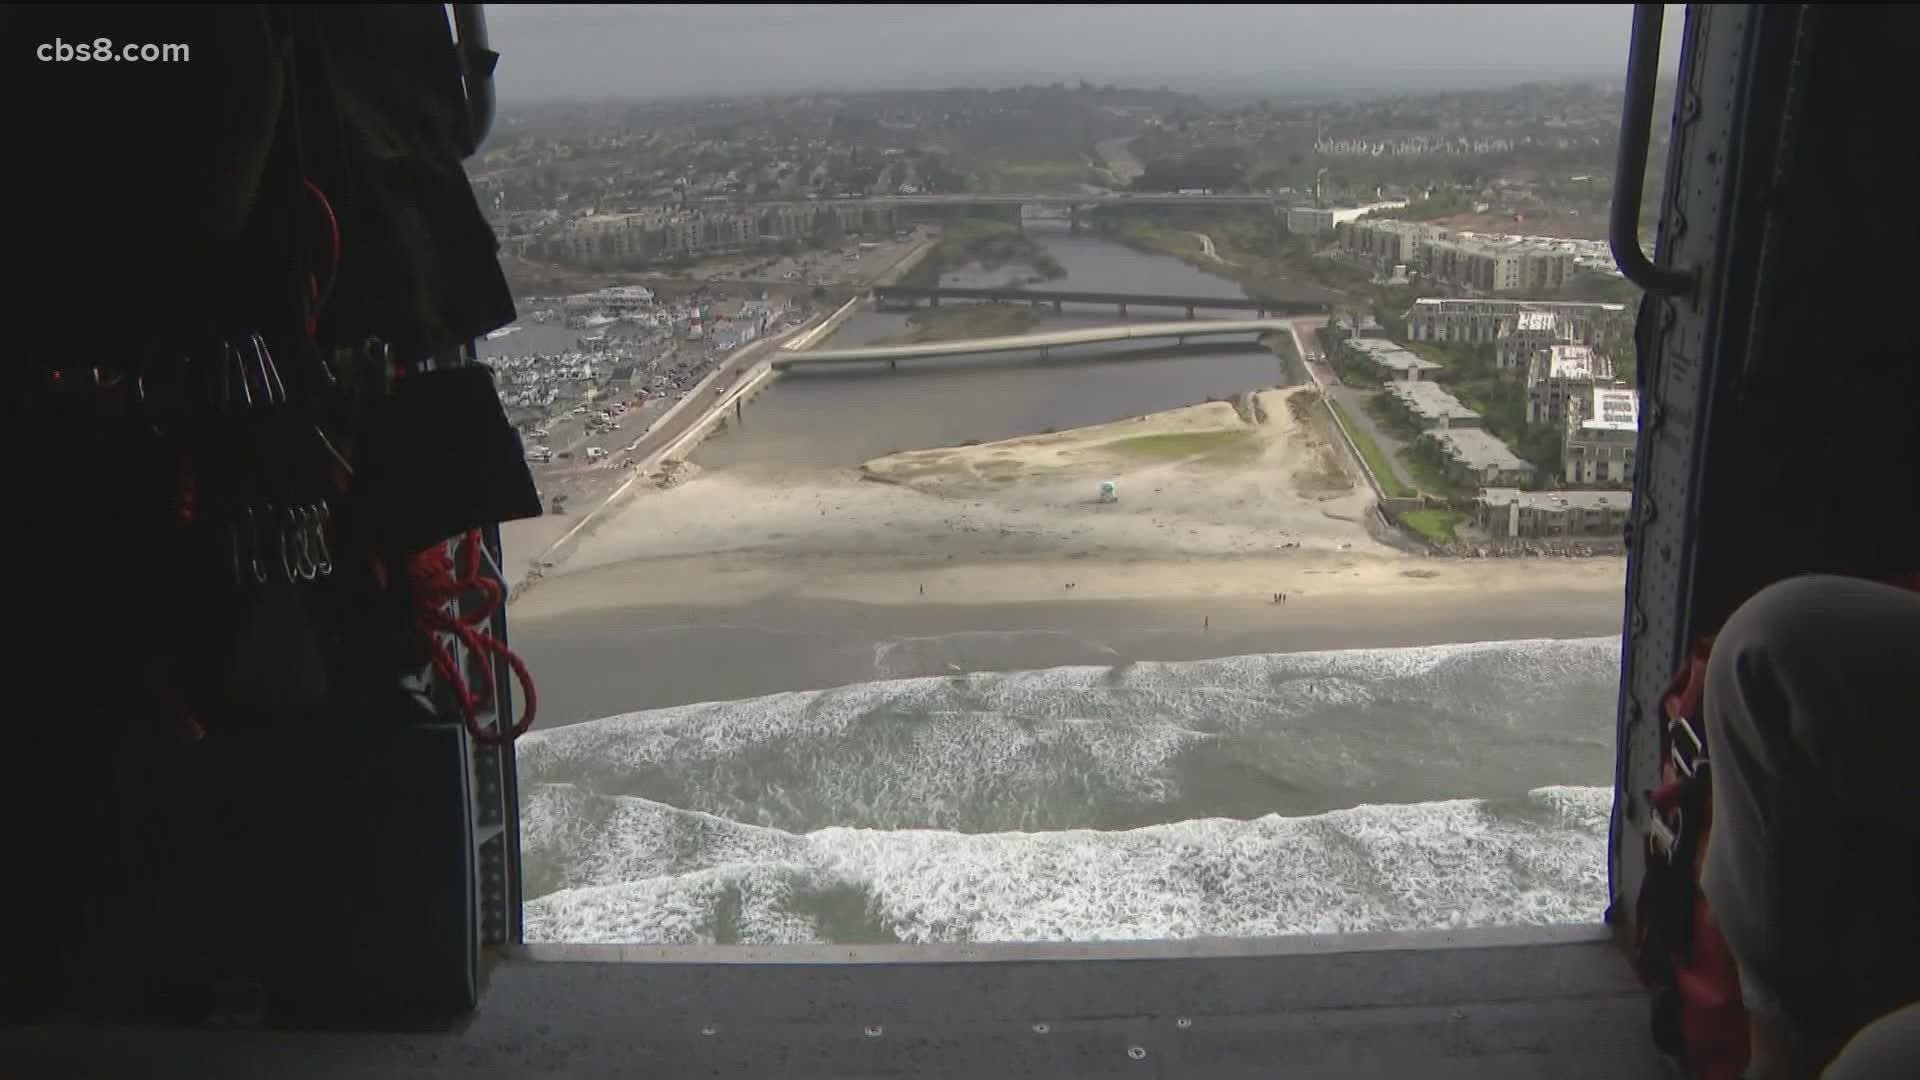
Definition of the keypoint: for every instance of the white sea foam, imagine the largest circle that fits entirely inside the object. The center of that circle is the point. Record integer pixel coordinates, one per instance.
(1242, 796)
(666, 876)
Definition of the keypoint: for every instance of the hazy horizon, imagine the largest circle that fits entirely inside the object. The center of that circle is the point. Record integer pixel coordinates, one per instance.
(643, 52)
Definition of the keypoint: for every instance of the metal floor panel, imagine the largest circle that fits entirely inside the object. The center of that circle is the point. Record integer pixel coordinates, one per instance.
(1567, 1010)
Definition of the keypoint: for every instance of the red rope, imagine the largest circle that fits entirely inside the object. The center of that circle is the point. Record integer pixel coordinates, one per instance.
(438, 584)
(316, 295)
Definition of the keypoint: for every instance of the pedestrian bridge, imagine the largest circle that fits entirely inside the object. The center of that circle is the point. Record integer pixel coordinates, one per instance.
(1179, 332)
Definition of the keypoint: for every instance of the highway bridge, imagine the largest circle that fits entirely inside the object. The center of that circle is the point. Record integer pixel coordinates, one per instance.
(1179, 332)
(1309, 302)
(1104, 198)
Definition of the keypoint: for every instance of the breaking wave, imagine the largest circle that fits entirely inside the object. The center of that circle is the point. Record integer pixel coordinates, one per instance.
(1252, 795)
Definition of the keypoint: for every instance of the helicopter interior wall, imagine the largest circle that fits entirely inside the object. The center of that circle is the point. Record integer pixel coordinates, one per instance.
(1814, 451)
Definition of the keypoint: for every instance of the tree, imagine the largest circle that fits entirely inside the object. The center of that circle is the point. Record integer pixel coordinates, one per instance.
(827, 229)
(1218, 168)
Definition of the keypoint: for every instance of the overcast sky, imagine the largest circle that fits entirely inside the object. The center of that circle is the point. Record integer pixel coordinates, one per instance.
(671, 50)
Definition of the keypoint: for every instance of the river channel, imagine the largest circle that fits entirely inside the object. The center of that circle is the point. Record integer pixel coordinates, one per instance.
(841, 417)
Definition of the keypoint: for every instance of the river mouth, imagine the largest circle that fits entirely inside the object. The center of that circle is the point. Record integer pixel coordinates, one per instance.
(839, 418)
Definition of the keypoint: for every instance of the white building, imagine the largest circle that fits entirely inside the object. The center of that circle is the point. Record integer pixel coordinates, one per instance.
(1474, 455)
(1387, 360)
(1559, 373)
(1511, 514)
(1477, 321)
(1530, 332)
(1603, 431)
(1431, 406)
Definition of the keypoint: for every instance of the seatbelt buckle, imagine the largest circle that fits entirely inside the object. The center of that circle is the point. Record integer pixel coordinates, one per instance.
(1686, 746)
(1664, 837)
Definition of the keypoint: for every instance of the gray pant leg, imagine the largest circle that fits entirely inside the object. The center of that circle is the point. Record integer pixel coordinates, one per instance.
(1887, 1049)
(1813, 865)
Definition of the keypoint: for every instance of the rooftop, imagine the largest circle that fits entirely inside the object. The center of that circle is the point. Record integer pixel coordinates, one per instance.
(1613, 408)
(1576, 362)
(1389, 355)
(1535, 322)
(1430, 402)
(1464, 303)
(1555, 501)
(1478, 450)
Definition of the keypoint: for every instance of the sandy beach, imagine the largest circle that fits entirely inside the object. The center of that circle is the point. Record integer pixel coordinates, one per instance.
(1214, 504)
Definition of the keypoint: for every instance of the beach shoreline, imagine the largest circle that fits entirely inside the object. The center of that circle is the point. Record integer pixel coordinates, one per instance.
(1236, 530)
(1227, 505)
(596, 662)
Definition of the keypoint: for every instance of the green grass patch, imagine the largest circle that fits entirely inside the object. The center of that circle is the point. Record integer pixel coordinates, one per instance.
(987, 242)
(1430, 477)
(1037, 177)
(1376, 459)
(957, 321)
(1157, 239)
(1435, 526)
(1209, 447)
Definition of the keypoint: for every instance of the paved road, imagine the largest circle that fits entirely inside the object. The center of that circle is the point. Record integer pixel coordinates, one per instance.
(1352, 402)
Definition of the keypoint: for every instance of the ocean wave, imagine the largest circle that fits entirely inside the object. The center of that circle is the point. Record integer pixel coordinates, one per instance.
(629, 870)
(1117, 746)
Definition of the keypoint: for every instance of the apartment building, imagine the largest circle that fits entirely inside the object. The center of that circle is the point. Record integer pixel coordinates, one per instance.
(1530, 332)
(1430, 406)
(1473, 456)
(1491, 268)
(1347, 324)
(670, 231)
(1511, 514)
(1603, 432)
(1382, 359)
(1479, 321)
(1486, 264)
(1559, 373)
(1388, 243)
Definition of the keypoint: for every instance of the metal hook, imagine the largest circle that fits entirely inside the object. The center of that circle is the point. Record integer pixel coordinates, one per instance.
(302, 520)
(276, 388)
(322, 515)
(253, 527)
(282, 544)
(233, 362)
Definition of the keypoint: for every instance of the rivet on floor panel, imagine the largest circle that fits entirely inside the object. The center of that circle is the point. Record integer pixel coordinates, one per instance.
(708, 1029)
(874, 1031)
(1183, 1023)
(1041, 1029)
(1137, 1053)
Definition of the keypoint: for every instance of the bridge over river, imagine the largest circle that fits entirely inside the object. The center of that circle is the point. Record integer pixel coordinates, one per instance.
(1308, 302)
(1179, 332)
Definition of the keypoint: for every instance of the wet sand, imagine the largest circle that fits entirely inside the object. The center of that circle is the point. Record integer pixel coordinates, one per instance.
(749, 580)
(599, 663)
